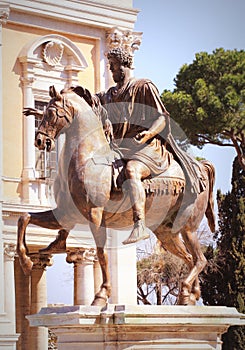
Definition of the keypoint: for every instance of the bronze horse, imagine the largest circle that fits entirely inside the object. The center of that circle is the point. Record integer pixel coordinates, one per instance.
(83, 192)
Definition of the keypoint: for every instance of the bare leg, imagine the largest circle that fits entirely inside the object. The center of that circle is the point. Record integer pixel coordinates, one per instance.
(135, 172)
(44, 219)
(99, 232)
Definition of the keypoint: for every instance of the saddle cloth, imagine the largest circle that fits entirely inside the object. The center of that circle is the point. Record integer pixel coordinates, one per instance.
(171, 181)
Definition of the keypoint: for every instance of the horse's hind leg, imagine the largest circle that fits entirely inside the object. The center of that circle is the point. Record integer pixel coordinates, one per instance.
(43, 219)
(99, 233)
(193, 245)
(173, 243)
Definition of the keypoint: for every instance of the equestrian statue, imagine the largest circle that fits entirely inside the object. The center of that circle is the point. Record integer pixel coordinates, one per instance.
(121, 168)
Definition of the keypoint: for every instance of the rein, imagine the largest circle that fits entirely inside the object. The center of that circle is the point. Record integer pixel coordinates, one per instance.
(61, 112)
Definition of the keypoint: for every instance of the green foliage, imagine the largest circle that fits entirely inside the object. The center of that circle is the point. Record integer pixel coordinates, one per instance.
(208, 101)
(224, 280)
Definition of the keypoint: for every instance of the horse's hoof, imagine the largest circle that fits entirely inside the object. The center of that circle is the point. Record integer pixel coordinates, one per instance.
(26, 266)
(99, 301)
(197, 292)
(183, 299)
(192, 299)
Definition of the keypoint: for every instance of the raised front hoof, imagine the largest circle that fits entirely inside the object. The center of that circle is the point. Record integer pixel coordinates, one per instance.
(99, 301)
(49, 250)
(56, 247)
(26, 265)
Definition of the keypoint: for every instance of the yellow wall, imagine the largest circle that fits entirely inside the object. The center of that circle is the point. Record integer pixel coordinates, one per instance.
(14, 38)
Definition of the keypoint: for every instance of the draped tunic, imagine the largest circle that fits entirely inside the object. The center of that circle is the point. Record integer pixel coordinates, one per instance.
(132, 109)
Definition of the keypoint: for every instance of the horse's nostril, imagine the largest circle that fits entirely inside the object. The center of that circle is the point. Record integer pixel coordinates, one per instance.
(48, 144)
(39, 142)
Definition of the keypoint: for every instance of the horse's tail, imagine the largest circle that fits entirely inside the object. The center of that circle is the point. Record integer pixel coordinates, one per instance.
(210, 207)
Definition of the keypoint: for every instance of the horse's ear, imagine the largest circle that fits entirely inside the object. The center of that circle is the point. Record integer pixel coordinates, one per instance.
(82, 92)
(53, 93)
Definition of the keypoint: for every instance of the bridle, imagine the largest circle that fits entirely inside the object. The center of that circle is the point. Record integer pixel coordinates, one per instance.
(61, 112)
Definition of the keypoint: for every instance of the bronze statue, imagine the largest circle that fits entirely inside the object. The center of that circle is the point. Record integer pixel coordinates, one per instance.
(136, 131)
(84, 191)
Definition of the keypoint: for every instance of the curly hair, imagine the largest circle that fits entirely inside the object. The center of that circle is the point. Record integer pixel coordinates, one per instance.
(125, 58)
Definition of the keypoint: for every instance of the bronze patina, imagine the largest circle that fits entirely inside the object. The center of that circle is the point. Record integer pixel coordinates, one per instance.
(86, 191)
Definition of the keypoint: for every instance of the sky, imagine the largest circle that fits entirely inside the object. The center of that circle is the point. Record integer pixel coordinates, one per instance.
(173, 32)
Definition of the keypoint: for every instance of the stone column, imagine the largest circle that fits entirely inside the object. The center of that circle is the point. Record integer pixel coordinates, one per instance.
(9, 254)
(39, 336)
(123, 271)
(83, 260)
(27, 81)
(29, 193)
(4, 14)
(23, 300)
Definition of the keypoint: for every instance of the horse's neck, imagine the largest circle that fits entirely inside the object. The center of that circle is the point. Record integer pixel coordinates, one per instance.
(86, 136)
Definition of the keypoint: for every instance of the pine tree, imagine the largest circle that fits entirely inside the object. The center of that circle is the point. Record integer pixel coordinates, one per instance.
(224, 281)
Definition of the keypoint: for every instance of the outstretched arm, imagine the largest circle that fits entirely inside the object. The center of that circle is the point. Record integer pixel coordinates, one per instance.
(33, 111)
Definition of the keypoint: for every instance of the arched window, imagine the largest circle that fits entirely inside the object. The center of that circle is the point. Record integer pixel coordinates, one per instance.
(48, 60)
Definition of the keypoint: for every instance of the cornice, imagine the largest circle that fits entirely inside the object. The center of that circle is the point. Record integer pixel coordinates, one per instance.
(16, 209)
(83, 12)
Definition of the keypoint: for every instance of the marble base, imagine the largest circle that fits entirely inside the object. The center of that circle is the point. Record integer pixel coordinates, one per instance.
(125, 327)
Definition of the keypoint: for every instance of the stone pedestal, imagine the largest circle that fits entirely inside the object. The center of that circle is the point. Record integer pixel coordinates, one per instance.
(121, 327)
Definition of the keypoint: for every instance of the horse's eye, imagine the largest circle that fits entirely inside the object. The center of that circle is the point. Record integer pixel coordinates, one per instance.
(50, 113)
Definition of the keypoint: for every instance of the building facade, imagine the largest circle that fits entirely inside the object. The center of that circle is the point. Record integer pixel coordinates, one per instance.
(43, 43)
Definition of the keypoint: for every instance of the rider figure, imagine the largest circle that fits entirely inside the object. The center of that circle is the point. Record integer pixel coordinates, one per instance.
(140, 130)
(138, 116)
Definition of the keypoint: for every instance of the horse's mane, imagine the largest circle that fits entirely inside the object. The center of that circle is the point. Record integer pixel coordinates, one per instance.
(92, 100)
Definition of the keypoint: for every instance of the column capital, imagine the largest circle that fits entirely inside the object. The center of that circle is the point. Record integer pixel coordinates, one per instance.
(81, 255)
(4, 13)
(41, 261)
(9, 251)
(125, 39)
(27, 81)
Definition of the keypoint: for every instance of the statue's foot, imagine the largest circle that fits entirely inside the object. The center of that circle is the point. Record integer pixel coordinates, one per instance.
(58, 245)
(140, 231)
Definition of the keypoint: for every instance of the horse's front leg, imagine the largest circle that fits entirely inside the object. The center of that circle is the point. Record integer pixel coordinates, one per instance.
(22, 249)
(99, 232)
(45, 219)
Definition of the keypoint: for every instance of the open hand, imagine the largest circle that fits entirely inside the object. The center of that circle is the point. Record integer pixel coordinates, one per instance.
(33, 111)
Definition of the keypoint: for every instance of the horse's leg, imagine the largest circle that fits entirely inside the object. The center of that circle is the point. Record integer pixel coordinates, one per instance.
(193, 245)
(99, 233)
(174, 244)
(43, 219)
(58, 245)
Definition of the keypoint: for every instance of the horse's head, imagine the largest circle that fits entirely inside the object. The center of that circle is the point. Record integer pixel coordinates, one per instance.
(56, 118)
